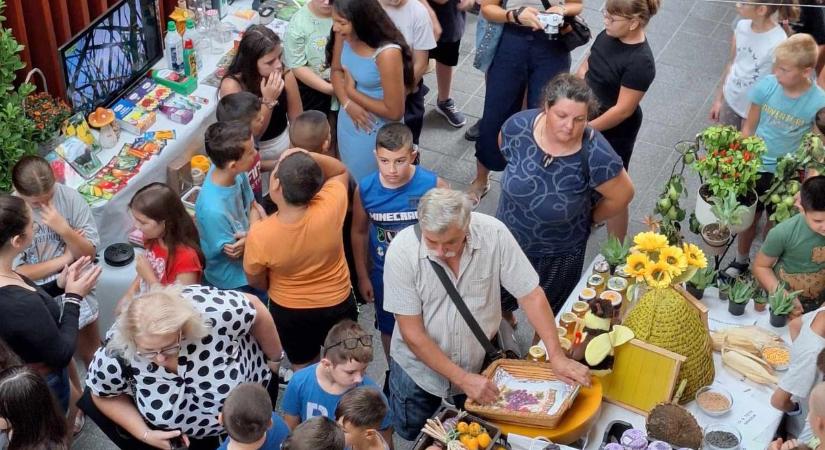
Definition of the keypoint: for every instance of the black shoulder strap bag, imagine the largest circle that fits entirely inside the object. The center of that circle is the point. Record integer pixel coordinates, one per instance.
(575, 31)
(492, 351)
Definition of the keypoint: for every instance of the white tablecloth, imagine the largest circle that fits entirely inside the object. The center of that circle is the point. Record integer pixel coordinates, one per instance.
(752, 413)
(112, 217)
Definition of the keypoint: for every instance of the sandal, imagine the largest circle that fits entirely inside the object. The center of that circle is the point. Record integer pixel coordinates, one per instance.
(79, 422)
(477, 196)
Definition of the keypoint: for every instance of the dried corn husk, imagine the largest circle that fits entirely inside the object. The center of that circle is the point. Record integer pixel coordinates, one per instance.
(748, 365)
(750, 339)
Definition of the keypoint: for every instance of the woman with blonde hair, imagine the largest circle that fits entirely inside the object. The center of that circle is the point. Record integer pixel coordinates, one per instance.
(171, 358)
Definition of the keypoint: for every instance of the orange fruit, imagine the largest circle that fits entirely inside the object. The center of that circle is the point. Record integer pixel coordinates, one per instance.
(471, 443)
(475, 429)
(484, 440)
(462, 427)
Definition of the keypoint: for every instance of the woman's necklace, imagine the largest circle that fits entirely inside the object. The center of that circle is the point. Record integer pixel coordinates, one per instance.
(547, 158)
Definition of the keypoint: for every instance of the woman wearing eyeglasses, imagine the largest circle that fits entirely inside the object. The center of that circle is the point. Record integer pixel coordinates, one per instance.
(171, 359)
(619, 69)
(39, 323)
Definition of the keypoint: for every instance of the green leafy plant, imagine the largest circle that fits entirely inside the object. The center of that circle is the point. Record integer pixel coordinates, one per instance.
(781, 300)
(760, 297)
(670, 210)
(16, 130)
(615, 251)
(731, 162)
(703, 278)
(727, 210)
(786, 181)
(741, 291)
(47, 113)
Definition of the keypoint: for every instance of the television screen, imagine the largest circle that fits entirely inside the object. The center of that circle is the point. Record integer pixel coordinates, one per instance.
(113, 52)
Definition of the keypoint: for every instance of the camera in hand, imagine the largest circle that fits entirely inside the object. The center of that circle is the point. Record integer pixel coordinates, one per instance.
(551, 22)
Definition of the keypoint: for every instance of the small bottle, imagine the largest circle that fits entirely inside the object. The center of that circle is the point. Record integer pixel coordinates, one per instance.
(193, 35)
(174, 48)
(190, 59)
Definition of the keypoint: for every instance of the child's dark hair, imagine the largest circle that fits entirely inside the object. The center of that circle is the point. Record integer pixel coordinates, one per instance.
(32, 175)
(247, 413)
(394, 136)
(31, 411)
(363, 407)
(820, 363)
(317, 433)
(7, 356)
(160, 203)
(309, 131)
(257, 41)
(226, 141)
(335, 347)
(243, 106)
(14, 217)
(301, 178)
(812, 196)
(374, 27)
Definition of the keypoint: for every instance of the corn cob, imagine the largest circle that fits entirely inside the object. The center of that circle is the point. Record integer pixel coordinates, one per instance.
(750, 339)
(748, 365)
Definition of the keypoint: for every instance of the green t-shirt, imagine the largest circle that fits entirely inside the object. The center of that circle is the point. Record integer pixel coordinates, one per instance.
(799, 249)
(306, 41)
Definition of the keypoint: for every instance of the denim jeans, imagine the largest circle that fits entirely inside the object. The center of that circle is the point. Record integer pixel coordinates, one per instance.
(58, 382)
(524, 60)
(411, 406)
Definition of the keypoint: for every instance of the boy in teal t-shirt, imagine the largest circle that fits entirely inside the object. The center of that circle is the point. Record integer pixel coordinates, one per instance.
(783, 108)
(794, 251)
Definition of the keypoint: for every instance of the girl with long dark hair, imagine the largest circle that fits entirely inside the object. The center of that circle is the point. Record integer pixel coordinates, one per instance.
(29, 413)
(371, 72)
(258, 68)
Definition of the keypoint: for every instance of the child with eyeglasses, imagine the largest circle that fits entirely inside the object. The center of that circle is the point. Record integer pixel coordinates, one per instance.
(317, 389)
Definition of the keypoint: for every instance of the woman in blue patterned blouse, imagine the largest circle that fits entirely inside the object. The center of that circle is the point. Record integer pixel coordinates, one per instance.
(561, 178)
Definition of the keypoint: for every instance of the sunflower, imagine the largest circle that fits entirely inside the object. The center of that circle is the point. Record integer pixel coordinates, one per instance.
(675, 258)
(694, 255)
(649, 241)
(657, 275)
(637, 265)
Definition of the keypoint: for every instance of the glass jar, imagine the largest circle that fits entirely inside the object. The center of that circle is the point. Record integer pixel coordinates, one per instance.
(213, 27)
(721, 436)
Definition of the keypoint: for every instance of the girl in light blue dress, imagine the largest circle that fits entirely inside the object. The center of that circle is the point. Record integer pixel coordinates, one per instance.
(371, 72)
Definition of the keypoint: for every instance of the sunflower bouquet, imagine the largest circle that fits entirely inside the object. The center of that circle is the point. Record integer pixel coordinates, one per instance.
(659, 265)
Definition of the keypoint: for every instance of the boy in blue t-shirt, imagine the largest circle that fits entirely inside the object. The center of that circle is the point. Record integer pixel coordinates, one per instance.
(384, 204)
(249, 420)
(783, 109)
(316, 390)
(226, 206)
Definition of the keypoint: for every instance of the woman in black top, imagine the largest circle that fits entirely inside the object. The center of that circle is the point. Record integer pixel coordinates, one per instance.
(257, 68)
(619, 69)
(39, 324)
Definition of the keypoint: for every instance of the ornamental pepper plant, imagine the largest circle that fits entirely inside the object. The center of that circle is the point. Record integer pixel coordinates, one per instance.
(730, 162)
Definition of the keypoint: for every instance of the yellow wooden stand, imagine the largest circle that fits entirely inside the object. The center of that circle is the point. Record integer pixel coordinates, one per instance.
(576, 421)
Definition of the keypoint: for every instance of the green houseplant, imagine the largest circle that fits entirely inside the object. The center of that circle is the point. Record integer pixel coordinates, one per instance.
(781, 302)
(740, 293)
(728, 211)
(16, 130)
(786, 181)
(615, 251)
(700, 281)
(760, 300)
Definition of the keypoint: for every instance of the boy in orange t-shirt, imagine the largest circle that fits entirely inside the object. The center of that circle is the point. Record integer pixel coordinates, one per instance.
(297, 254)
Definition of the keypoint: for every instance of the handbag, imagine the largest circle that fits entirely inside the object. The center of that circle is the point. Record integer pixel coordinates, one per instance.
(503, 345)
(574, 33)
(488, 42)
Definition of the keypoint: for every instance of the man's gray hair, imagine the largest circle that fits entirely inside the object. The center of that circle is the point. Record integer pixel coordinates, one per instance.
(441, 208)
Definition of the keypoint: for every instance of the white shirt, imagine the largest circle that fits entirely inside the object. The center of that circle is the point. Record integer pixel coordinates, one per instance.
(413, 21)
(752, 61)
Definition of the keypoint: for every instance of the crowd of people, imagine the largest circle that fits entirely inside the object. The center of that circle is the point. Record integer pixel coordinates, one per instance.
(315, 200)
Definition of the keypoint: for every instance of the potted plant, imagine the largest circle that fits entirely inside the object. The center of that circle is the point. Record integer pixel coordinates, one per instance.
(760, 300)
(16, 129)
(724, 288)
(48, 115)
(615, 252)
(730, 163)
(781, 302)
(700, 281)
(740, 293)
(728, 212)
(787, 180)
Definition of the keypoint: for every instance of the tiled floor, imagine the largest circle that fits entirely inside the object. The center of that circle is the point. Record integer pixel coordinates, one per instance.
(690, 40)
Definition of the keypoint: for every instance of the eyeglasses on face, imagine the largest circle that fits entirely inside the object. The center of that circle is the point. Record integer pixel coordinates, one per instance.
(610, 18)
(172, 350)
(352, 343)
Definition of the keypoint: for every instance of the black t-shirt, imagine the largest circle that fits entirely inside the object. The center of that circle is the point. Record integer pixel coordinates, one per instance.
(613, 64)
(811, 20)
(451, 20)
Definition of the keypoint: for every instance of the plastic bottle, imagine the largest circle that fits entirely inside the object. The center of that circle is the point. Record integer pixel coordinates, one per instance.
(190, 59)
(204, 45)
(195, 36)
(174, 48)
(213, 24)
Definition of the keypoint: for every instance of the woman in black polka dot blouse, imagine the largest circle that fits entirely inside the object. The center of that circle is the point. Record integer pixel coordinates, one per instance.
(172, 357)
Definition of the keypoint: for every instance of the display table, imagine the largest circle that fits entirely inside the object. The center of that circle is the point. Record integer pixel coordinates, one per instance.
(752, 413)
(112, 217)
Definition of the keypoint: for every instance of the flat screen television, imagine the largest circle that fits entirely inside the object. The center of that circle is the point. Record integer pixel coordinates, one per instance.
(101, 62)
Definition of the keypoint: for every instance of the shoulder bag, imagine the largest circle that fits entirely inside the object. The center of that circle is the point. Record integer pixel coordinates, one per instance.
(575, 31)
(503, 344)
